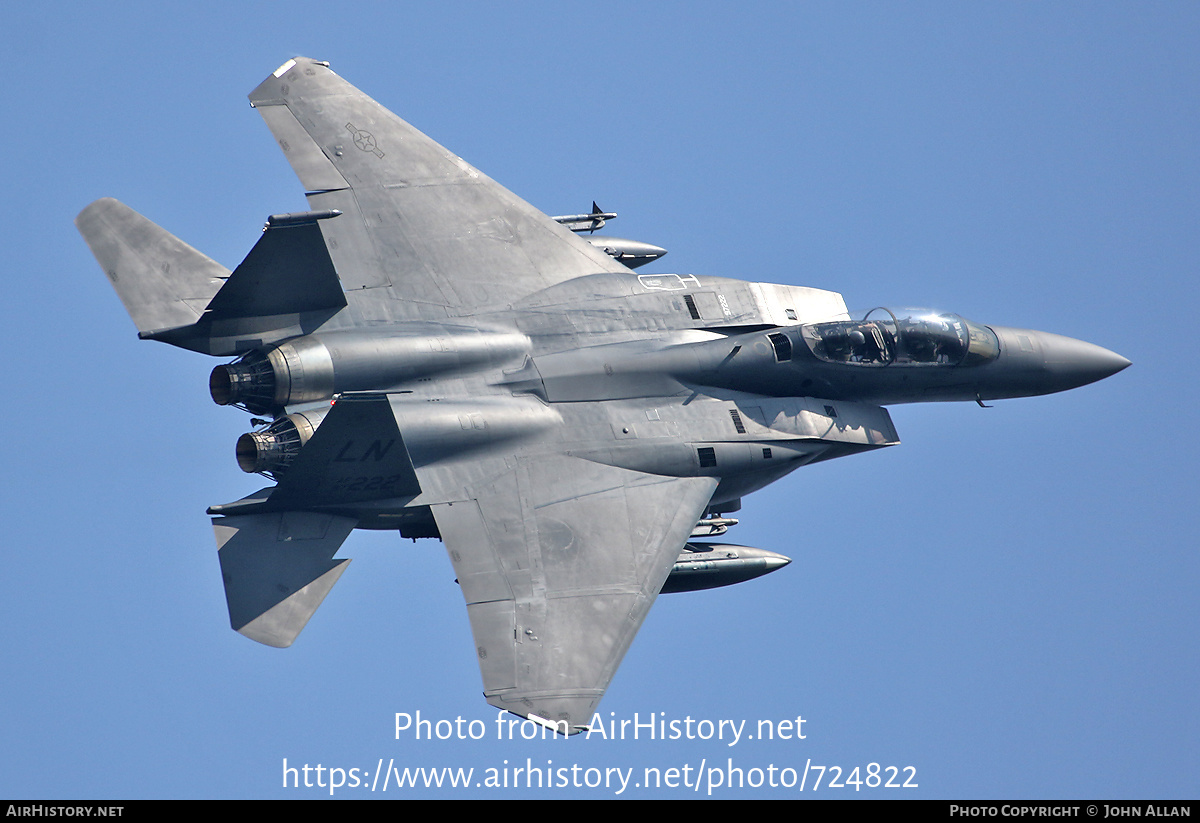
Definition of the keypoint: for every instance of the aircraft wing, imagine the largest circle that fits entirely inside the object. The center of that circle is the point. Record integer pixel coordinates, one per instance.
(559, 561)
(414, 215)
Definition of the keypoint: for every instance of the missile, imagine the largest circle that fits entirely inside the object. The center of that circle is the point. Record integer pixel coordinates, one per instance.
(632, 253)
(586, 222)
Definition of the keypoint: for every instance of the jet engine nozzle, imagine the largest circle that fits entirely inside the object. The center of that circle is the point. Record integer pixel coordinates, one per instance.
(271, 450)
(298, 371)
(249, 382)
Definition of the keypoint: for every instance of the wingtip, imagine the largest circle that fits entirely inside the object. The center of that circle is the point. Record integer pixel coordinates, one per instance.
(284, 69)
(287, 66)
(566, 714)
(103, 202)
(271, 91)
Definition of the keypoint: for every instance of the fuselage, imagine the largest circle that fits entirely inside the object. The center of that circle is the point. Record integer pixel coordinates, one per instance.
(735, 396)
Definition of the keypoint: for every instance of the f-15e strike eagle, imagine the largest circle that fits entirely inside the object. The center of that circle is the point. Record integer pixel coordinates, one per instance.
(437, 357)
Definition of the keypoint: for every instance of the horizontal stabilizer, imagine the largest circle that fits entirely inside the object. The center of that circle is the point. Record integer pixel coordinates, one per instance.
(163, 282)
(287, 272)
(277, 569)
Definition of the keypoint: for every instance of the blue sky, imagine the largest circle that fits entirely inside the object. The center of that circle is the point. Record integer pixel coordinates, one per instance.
(1007, 602)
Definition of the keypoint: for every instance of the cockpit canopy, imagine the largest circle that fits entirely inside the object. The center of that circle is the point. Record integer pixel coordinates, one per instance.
(911, 337)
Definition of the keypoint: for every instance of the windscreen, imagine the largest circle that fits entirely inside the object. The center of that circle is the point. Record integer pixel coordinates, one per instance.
(911, 337)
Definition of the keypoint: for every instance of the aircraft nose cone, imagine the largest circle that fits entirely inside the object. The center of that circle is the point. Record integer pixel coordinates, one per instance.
(1073, 363)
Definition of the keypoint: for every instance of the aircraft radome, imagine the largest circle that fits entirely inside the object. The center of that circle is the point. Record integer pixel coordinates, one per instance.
(439, 358)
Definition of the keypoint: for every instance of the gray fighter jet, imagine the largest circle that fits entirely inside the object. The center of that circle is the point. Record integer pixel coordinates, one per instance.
(439, 358)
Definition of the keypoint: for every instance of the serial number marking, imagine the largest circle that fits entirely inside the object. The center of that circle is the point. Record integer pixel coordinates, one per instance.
(364, 484)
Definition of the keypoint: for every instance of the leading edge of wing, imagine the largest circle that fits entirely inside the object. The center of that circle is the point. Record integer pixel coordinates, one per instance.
(559, 562)
(415, 215)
